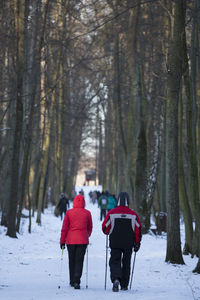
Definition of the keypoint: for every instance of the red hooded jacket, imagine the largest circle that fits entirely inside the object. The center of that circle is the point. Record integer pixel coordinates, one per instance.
(77, 224)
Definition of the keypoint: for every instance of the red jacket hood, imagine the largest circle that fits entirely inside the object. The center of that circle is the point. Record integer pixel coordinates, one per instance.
(79, 202)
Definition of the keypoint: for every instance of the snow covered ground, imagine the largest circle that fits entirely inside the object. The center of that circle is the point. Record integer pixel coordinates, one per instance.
(31, 267)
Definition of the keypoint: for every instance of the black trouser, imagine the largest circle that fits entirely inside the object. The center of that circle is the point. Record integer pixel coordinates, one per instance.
(120, 265)
(76, 257)
(102, 214)
(61, 215)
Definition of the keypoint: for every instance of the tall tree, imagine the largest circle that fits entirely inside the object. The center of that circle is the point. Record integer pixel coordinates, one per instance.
(17, 128)
(191, 133)
(174, 69)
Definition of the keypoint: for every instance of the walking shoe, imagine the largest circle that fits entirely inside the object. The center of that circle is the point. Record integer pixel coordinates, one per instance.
(116, 286)
(76, 286)
(124, 288)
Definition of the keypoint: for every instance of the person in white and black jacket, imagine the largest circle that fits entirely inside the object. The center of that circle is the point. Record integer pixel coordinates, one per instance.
(124, 228)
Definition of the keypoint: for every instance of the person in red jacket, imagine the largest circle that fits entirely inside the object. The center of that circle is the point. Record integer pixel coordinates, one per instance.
(123, 226)
(75, 233)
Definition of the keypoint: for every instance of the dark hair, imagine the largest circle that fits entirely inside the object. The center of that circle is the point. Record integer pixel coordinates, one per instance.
(123, 199)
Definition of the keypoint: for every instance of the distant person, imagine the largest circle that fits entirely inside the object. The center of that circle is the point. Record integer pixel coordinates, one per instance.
(111, 202)
(63, 204)
(115, 198)
(75, 233)
(81, 192)
(98, 194)
(94, 197)
(103, 202)
(123, 226)
(90, 196)
(73, 194)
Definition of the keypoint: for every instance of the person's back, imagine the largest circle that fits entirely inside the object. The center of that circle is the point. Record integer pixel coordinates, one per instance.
(63, 204)
(111, 202)
(76, 230)
(123, 226)
(103, 201)
(77, 223)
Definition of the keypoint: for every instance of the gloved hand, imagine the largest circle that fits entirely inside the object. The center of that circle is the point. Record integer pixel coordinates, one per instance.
(136, 247)
(62, 246)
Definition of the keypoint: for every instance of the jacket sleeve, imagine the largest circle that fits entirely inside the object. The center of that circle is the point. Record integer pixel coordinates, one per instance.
(106, 225)
(64, 230)
(89, 228)
(138, 230)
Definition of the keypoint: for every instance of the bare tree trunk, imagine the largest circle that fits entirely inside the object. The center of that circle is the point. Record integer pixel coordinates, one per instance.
(109, 147)
(140, 129)
(191, 132)
(184, 201)
(15, 156)
(117, 106)
(30, 88)
(174, 254)
(131, 141)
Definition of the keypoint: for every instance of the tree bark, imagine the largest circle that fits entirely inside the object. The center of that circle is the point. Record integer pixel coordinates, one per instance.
(15, 156)
(184, 201)
(173, 254)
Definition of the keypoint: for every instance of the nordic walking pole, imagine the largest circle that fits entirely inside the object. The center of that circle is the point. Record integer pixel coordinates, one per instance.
(87, 269)
(106, 261)
(132, 271)
(61, 263)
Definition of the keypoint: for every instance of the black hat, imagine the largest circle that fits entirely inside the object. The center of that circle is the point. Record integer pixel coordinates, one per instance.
(123, 199)
(62, 195)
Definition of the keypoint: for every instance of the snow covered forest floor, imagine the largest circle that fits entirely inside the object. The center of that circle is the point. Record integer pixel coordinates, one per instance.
(30, 266)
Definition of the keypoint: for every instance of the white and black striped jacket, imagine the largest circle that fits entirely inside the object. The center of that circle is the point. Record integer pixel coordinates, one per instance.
(123, 226)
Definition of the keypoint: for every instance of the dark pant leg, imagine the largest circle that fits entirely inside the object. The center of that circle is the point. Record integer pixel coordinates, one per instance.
(102, 214)
(71, 254)
(79, 258)
(126, 261)
(115, 264)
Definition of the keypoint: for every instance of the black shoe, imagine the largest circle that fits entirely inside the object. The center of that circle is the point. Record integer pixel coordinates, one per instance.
(116, 286)
(124, 288)
(76, 286)
(71, 284)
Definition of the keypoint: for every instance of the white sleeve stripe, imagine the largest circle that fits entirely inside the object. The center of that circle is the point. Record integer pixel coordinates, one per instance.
(137, 224)
(108, 223)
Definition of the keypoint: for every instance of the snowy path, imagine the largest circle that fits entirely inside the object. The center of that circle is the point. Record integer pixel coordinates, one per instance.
(30, 268)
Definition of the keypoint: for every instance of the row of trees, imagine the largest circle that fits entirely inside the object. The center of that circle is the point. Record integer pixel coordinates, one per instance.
(123, 73)
(46, 97)
(150, 145)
